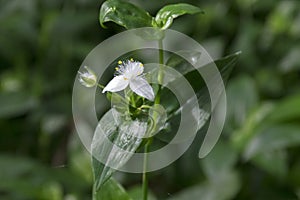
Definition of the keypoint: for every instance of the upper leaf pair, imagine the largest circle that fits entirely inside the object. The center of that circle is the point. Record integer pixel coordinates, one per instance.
(131, 16)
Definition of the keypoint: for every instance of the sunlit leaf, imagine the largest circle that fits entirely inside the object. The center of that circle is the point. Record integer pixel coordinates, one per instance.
(124, 14)
(167, 14)
(126, 135)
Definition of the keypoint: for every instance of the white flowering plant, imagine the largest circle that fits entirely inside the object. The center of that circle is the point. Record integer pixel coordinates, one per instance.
(136, 116)
(129, 73)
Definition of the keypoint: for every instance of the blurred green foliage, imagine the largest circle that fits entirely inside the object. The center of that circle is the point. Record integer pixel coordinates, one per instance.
(43, 43)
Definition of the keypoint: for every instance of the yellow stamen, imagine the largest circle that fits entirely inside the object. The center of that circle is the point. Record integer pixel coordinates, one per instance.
(125, 78)
(131, 59)
(117, 68)
(141, 65)
(119, 62)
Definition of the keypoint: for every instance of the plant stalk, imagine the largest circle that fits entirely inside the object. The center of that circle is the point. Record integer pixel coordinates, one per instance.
(94, 197)
(145, 178)
(156, 101)
(160, 72)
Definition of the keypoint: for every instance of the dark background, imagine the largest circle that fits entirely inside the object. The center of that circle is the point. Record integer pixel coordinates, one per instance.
(42, 45)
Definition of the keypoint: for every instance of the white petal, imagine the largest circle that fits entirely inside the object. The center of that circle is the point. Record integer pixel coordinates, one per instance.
(141, 87)
(117, 84)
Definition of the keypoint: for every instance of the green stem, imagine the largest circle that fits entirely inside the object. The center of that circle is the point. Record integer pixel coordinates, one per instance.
(100, 86)
(94, 197)
(145, 178)
(160, 72)
(161, 51)
(156, 101)
(132, 101)
(145, 106)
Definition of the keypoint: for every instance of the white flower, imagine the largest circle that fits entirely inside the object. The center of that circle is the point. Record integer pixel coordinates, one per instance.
(87, 78)
(130, 73)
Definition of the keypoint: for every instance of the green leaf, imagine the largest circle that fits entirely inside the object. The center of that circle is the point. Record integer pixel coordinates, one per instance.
(286, 110)
(219, 161)
(242, 96)
(294, 174)
(111, 190)
(169, 102)
(224, 188)
(224, 65)
(150, 34)
(80, 160)
(118, 102)
(273, 162)
(124, 14)
(167, 14)
(136, 193)
(273, 137)
(242, 136)
(291, 62)
(26, 178)
(14, 104)
(181, 65)
(126, 135)
(267, 115)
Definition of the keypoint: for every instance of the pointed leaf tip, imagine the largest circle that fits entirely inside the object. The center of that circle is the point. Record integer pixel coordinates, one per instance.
(165, 16)
(124, 14)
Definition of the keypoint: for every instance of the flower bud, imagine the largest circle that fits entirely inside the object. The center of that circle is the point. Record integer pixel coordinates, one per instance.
(87, 78)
